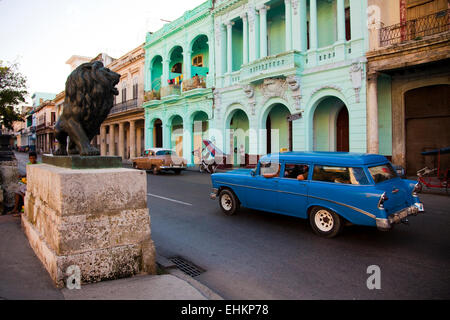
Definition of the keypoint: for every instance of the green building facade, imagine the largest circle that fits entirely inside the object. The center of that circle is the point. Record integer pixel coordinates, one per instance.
(278, 75)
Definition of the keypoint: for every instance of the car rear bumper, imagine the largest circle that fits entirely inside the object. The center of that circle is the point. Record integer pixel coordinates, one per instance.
(172, 168)
(386, 224)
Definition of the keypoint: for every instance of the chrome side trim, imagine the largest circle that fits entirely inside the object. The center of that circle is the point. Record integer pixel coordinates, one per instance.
(305, 195)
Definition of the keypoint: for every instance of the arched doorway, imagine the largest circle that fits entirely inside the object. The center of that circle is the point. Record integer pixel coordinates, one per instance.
(342, 131)
(238, 139)
(157, 134)
(278, 129)
(427, 119)
(156, 73)
(200, 132)
(176, 135)
(331, 125)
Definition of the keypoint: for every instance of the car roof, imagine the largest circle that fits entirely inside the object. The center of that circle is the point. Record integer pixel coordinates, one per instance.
(338, 158)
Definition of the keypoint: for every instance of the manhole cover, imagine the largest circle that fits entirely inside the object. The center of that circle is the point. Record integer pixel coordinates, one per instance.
(187, 267)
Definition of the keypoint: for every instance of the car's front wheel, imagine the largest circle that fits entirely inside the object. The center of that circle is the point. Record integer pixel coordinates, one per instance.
(325, 222)
(228, 202)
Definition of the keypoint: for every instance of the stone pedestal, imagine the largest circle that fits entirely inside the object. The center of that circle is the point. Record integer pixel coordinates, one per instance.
(96, 219)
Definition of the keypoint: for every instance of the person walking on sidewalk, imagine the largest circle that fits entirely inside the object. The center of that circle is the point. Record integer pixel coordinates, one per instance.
(22, 187)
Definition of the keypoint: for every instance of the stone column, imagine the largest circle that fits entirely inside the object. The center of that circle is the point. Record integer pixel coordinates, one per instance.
(288, 33)
(341, 20)
(253, 34)
(167, 135)
(121, 139)
(138, 141)
(187, 140)
(358, 18)
(187, 63)
(112, 146)
(313, 25)
(229, 47)
(132, 139)
(263, 31)
(303, 25)
(103, 141)
(372, 114)
(165, 74)
(223, 50)
(149, 137)
(245, 38)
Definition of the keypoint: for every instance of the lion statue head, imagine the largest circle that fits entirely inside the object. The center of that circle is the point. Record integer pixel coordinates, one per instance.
(90, 91)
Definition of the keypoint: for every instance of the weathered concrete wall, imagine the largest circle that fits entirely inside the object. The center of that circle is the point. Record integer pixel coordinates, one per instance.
(9, 174)
(95, 219)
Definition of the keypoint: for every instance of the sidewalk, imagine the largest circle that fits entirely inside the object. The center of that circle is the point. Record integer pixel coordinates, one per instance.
(23, 277)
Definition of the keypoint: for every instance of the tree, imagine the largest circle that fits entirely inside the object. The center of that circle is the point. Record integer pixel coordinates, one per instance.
(13, 90)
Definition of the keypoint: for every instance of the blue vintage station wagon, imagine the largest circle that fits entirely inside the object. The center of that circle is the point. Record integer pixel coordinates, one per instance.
(331, 189)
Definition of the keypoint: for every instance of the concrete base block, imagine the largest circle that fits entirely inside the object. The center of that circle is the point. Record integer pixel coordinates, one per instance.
(95, 219)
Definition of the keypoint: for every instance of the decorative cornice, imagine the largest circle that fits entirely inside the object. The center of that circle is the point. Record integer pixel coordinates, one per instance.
(227, 6)
(189, 18)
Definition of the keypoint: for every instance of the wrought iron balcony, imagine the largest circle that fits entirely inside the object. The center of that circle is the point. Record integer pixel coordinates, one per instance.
(415, 29)
(124, 106)
(285, 63)
(45, 125)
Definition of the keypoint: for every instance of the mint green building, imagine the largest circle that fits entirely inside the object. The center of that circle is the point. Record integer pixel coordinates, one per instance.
(179, 65)
(279, 75)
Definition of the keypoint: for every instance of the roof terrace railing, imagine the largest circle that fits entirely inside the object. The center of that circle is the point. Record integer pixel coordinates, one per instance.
(415, 29)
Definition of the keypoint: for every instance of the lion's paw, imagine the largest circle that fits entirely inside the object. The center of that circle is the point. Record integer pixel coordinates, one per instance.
(90, 151)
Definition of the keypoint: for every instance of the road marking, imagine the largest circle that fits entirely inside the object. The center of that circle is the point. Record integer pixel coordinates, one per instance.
(168, 199)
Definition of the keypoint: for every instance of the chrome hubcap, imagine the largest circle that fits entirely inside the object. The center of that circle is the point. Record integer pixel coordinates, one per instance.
(226, 202)
(324, 220)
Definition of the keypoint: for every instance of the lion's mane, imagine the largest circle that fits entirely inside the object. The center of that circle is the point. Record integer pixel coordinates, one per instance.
(90, 91)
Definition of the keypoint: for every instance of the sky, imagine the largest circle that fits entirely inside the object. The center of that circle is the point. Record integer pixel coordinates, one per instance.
(41, 35)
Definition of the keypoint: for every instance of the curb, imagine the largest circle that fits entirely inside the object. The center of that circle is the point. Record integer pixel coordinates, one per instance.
(171, 268)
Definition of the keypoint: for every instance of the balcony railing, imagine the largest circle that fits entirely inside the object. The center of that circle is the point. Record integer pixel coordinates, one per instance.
(170, 90)
(194, 83)
(46, 125)
(270, 66)
(124, 106)
(415, 29)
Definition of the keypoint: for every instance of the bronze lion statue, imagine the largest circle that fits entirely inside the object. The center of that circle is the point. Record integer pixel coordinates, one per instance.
(90, 91)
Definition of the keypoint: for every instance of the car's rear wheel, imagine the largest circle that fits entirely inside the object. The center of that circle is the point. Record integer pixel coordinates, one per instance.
(155, 170)
(177, 171)
(228, 202)
(325, 222)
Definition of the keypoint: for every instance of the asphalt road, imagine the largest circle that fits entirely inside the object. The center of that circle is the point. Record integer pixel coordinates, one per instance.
(258, 255)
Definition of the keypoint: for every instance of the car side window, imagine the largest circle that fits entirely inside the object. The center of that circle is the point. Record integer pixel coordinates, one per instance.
(296, 171)
(344, 175)
(269, 169)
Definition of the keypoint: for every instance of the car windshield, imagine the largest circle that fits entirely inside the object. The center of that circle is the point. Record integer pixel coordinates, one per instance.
(383, 173)
(165, 153)
(269, 168)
